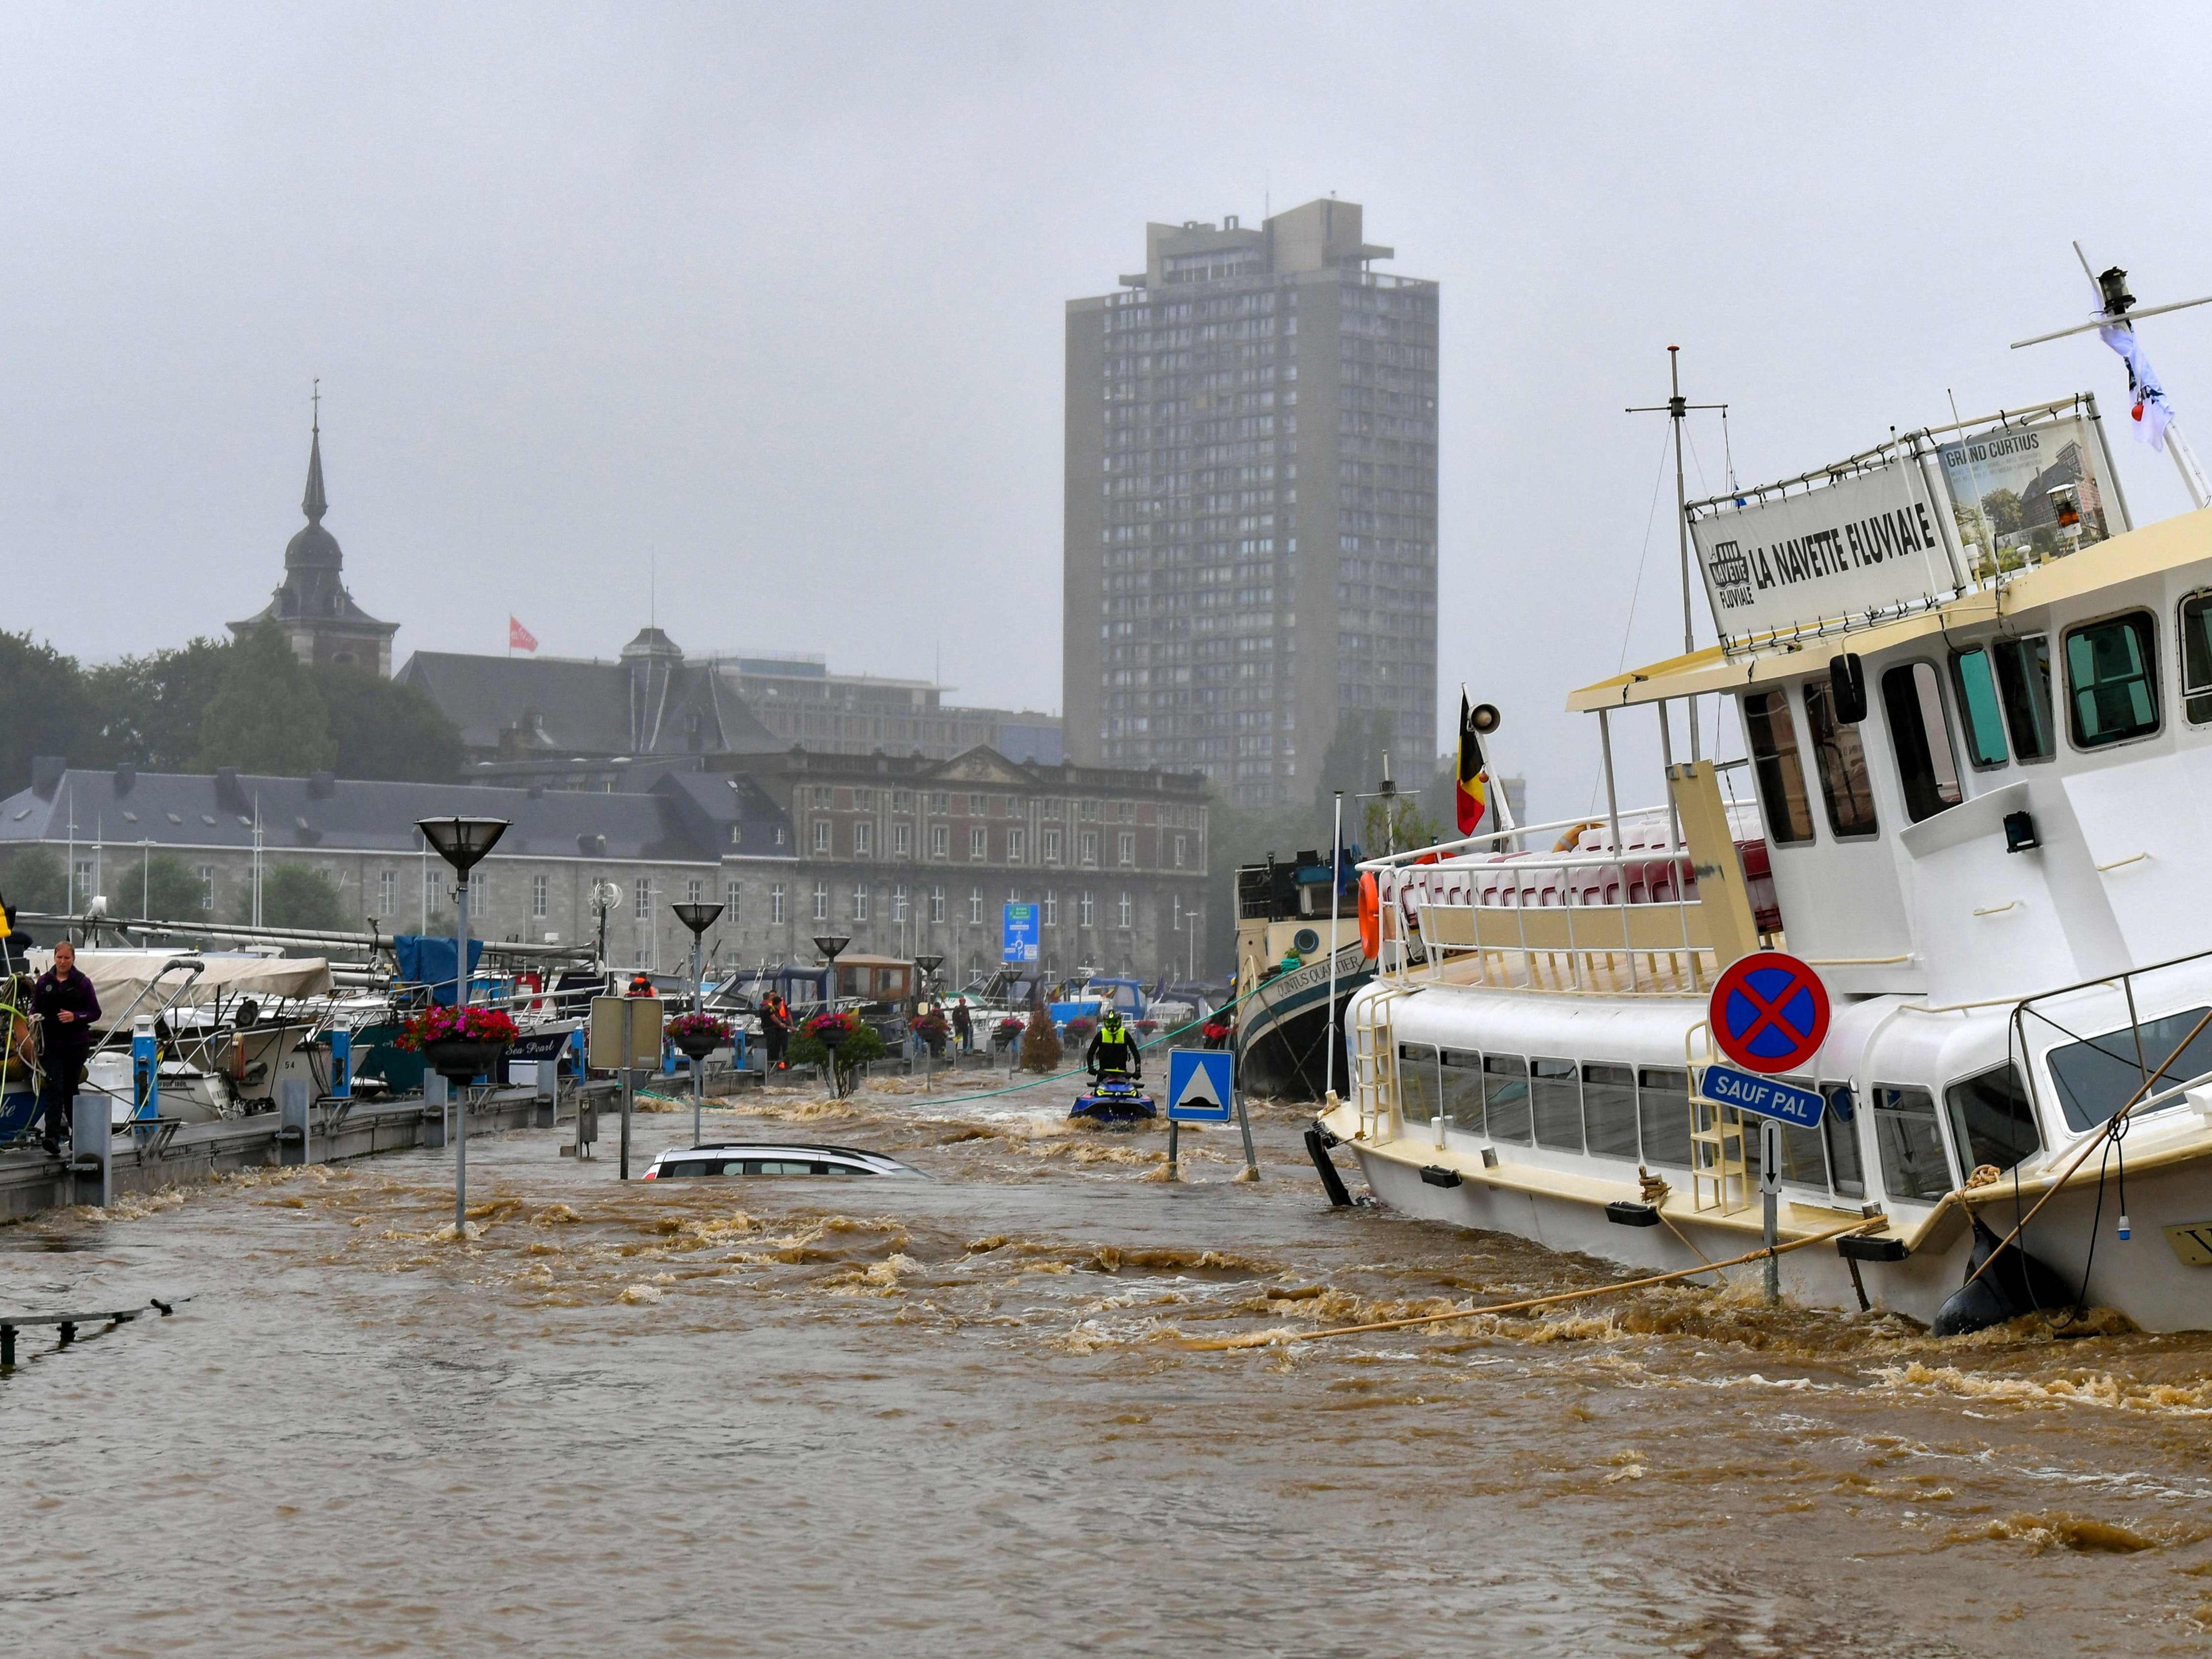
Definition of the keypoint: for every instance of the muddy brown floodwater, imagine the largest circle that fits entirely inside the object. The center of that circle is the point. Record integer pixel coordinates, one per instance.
(967, 1416)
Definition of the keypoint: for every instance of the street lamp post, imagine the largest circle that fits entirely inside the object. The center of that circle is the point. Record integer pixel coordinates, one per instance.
(698, 918)
(830, 945)
(929, 963)
(462, 843)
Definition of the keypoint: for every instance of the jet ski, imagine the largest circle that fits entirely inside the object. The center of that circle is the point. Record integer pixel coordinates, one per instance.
(1113, 1101)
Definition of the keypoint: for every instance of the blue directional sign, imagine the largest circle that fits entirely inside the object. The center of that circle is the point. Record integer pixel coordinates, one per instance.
(1770, 1099)
(1021, 934)
(1200, 1081)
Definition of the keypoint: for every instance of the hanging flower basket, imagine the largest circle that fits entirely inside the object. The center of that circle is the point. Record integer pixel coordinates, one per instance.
(461, 1045)
(698, 1036)
(831, 1030)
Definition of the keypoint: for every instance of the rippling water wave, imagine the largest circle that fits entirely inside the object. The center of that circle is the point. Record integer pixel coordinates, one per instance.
(993, 1413)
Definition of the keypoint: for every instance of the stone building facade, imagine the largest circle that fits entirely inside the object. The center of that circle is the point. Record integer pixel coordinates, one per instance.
(900, 856)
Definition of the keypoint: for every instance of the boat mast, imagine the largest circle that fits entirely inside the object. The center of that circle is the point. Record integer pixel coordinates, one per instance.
(1676, 409)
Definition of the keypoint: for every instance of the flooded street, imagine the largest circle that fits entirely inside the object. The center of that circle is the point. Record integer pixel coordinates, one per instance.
(974, 1415)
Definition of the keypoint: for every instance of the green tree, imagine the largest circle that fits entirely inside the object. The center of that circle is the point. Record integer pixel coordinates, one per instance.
(2004, 510)
(296, 896)
(267, 714)
(1236, 836)
(163, 888)
(148, 708)
(42, 708)
(1354, 762)
(382, 729)
(35, 881)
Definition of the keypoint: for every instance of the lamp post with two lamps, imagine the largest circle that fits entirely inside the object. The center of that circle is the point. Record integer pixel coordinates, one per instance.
(463, 843)
(831, 945)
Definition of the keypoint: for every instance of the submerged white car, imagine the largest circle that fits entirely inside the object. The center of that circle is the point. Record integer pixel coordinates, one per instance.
(774, 1158)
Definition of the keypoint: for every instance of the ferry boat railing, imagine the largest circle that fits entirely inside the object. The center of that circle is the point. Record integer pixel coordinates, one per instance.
(2132, 1047)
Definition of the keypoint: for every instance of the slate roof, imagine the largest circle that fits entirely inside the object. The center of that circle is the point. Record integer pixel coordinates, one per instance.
(301, 815)
(560, 707)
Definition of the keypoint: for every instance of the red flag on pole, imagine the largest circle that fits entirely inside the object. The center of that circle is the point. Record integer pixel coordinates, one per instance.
(519, 638)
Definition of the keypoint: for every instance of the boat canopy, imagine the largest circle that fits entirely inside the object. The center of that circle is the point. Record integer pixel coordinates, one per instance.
(121, 977)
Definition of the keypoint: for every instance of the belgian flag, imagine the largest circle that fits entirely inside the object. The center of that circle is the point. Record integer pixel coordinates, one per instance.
(1473, 798)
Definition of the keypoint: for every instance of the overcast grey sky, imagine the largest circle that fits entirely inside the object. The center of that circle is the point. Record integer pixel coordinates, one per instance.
(773, 294)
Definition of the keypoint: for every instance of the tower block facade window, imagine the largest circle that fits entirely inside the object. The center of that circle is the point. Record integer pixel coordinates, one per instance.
(1249, 540)
(311, 607)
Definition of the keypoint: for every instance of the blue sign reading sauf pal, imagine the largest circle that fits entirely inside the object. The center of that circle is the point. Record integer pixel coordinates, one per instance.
(1764, 1095)
(1021, 934)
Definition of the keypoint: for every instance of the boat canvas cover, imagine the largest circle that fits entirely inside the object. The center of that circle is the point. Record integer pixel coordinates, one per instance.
(120, 976)
(428, 958)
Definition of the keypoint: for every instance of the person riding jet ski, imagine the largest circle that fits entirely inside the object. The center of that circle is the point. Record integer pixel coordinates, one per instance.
(1113, 1051)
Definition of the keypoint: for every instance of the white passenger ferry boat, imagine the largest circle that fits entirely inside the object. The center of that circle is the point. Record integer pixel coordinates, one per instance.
(1976, 797)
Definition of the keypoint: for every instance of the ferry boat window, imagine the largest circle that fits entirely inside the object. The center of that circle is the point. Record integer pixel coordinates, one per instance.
(1910, 1144)
(1505, 1097)
(2196, 657)
(1840, 758)
(2023, 668)
(2096, 1078)
(1556, 1094)
(1609, 1110)
(1839, 1128)
(1462, 1087)
(1417, 1081)
(2112, 670)
(1922, 738)
(1991, 1122)
(1773, 742)
(1804, 1160)
(1974, 679)
(1663, 1103)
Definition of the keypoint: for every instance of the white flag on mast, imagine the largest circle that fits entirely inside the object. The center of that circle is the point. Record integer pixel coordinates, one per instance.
(2150, 411)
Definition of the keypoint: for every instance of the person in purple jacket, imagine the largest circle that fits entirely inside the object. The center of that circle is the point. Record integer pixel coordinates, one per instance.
(66, 1006)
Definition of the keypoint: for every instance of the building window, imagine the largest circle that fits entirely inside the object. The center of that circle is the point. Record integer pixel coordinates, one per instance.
(822, 797)
(642, 899)
(1018, 845)
(1051, 847)
(863, 840)
(206, 873)
(538, 893)
(820, 902)
(898, 901)
(1051, 908)
(941, 841)
(1121, 911)
(822, 835)
(388, 889)
(695, 891)
(979, 843)
(940, 803)
(975, 906)
(1177, 925)
(775, 902)
(1091, 849)
(83, 880)
(937, 904)
(860, 902)
(731, 910)
(901, 840)
(1129, 847)
(1091, 809)
(1128, 812)
(1179, 851)
(901, 800)
(1084, 914)
(865, 800)
(976, 806)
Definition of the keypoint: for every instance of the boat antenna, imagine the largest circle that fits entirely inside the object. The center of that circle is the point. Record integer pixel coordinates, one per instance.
(1676, 409)
(2117, 315)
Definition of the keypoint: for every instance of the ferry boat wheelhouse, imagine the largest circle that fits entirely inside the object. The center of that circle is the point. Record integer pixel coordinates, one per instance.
(1976, 802)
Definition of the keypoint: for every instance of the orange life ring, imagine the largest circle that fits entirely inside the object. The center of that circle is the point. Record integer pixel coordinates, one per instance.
(1371, 915)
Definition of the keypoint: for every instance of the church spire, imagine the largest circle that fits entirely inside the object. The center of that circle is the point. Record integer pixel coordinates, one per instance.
(314, 503)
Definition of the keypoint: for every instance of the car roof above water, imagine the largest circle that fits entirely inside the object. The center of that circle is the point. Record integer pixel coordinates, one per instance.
(811, 1151)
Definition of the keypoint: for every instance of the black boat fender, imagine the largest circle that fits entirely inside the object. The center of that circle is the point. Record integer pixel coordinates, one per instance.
(1331, 1183)
(2016, 1284)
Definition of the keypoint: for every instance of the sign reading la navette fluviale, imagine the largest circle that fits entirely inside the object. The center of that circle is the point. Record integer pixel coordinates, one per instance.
(1862, 542)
